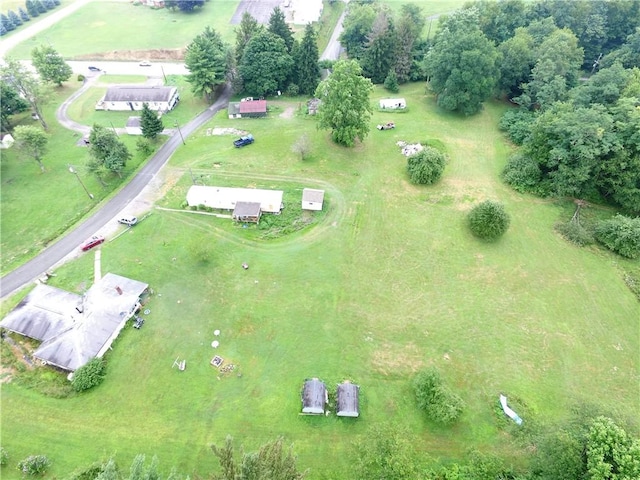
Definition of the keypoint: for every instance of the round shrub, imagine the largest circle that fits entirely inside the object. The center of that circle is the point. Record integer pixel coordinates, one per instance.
(89, 375)
(34, 465)
(426, 166)
(488, 220)
(4, 456)
(438, 402)
(522, 173)
(620, 234)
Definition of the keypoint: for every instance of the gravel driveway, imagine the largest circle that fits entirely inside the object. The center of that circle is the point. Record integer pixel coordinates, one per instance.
(259, 9)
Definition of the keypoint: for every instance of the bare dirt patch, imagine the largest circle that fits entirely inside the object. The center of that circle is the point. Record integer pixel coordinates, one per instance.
(168, 54)
(288, 113)
(225, 131)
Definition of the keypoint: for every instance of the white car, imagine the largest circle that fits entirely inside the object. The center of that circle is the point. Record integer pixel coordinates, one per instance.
(128, 220)
(145, 64)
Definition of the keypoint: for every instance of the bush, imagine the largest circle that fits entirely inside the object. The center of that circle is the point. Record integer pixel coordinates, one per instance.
(517, 124)
(521, 173)
(81, 77)
(488, 220)
(89, 375)
(292, 90)
(575, 233)
(426, 166)
(438, 402)
(4, 456)
(143, 145)
(34, 465)
(620, 234)
(391, 82)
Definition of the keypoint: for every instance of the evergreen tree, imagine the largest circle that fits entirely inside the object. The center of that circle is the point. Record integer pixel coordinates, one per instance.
(6, 23)
(32, 8)
(49, 4)
(13, 16)
(3, 31)
(24, 15)
(379, 54)
(150, 123)
(247, 28)
(208, 63)
(39, 6)
(278, 26)
(306, 62)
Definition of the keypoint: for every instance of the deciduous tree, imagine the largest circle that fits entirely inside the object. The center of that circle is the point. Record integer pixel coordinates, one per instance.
(150, 122)
(426, 166)
(266, 64)
(50, 65)
(27, 85)
(273, 461)
(462, 65)
(611, 453)
(357, 26)
(10, 104)
(208, 63)
(107, 151)
(32, 141)
(345, 109)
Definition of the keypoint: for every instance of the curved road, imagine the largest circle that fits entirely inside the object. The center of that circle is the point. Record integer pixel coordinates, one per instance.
(70, 242)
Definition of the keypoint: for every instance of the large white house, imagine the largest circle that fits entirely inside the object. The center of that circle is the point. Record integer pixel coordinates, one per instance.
(123, 98)
(225, 198)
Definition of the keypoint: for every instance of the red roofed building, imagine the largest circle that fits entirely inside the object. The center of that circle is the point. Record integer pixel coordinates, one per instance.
(248, 109)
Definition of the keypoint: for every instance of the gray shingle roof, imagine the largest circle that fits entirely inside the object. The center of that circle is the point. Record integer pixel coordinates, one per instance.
(314, 396)
(312, 195)
(347, 400)
(139, 94)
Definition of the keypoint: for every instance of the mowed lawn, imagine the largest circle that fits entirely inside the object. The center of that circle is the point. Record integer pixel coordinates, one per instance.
(389, 282)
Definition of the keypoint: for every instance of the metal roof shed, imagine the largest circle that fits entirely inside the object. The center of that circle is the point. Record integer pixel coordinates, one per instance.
(312, 199)
(314, 397)
(347, 400)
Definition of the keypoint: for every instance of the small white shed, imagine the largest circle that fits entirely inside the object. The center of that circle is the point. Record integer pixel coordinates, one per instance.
(393, 103)
(6, 141)
(133, 126)
(312, 199)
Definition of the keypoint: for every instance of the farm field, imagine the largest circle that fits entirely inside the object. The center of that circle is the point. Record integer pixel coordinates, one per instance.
(388, 281)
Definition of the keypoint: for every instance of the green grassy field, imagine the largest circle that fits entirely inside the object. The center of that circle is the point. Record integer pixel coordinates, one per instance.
(387, 282)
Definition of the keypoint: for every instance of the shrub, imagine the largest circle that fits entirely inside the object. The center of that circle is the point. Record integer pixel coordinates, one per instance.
(81, 77)
(620, 234)
(34, 465)
(521, 173)
(438, 402)
(292, 90)
(517, 124)
(488, 220)
(89, 375)
(391, 82)
(143, 145)
(4, 456)
(575, 233)
(426, 166)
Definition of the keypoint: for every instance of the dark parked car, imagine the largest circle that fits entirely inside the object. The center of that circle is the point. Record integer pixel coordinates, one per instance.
(92, 242)
(242, 141)
(94, 69)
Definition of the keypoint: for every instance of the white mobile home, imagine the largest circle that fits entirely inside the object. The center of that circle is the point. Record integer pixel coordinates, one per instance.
(225, 198)
(123, 98)
(393, 103)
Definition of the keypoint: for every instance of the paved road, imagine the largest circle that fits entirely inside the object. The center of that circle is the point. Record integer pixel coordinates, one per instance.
(333, 49)
(70, 242)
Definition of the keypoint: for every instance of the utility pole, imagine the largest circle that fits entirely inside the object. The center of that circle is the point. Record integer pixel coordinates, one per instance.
(72, 170)
(180, 132)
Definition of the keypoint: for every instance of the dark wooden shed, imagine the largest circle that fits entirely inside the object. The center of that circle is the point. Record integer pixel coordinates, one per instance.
(314, 397)
(347, 400)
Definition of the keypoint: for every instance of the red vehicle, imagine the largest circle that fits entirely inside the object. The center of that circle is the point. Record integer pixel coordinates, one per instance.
(92, 242)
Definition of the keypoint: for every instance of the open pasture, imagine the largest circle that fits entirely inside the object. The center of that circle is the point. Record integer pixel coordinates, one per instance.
(388, 282)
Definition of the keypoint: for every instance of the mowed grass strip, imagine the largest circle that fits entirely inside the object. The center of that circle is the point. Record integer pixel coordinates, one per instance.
(390, 282)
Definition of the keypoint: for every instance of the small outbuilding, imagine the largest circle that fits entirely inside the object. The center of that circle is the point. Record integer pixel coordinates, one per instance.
(247, 212)
(347, 401)
(312, 199)
(133, 126)
(314, 397)
(248, 109)
(6, 141)
(393, 103)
